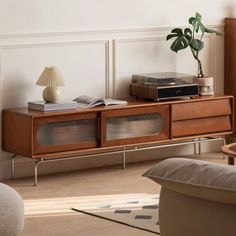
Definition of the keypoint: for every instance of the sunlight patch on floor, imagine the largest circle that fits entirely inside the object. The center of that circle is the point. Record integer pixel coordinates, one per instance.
(63, 205)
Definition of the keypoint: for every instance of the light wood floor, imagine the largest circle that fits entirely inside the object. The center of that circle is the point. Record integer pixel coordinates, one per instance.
(59, 189)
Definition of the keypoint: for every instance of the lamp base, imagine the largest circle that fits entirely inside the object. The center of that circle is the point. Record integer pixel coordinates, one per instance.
(51, 94)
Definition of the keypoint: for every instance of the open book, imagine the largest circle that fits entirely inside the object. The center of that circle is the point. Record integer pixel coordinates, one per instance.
(85, 101)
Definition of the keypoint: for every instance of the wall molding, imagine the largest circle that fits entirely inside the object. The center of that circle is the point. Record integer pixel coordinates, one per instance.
(128, 40)
(87, 35)
(99, 31)
(54, 44)
(105, 43)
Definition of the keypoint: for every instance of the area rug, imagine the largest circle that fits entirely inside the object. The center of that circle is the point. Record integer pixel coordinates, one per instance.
(139, 211)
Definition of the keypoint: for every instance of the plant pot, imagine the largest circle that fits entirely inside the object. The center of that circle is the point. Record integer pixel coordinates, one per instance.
(205, 86)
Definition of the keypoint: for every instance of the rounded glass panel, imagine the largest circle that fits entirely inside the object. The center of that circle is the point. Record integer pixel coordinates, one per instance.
(67, 132)
(134, 126)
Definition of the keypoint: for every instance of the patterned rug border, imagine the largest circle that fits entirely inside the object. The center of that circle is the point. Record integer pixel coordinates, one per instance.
(116, 221)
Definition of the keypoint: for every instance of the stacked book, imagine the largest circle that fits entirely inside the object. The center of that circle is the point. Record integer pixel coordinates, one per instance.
(45, 106)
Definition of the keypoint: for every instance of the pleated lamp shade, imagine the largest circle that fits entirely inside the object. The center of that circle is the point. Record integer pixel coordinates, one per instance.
(51, 77)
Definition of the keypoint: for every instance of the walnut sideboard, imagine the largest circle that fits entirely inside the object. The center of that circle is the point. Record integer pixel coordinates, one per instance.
(50, 136)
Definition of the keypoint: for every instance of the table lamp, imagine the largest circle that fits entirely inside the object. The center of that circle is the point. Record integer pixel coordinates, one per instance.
(51, 78)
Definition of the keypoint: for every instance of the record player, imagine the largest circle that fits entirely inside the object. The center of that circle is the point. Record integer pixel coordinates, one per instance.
(166, 85)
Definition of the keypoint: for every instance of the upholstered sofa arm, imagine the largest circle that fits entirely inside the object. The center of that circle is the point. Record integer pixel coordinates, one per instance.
(201, 179)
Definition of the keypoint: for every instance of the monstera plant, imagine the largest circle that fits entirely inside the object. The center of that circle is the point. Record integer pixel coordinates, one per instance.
(192, 38)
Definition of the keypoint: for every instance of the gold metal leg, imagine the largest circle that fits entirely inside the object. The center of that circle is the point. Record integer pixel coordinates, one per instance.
(195, 147)
(199, 147)
(123, 159)
(36, 171)
(13, 166)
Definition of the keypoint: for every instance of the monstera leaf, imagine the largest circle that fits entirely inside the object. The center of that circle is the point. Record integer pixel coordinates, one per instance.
(183, 38)
(196, 22)
(211, 31)
(197, 44)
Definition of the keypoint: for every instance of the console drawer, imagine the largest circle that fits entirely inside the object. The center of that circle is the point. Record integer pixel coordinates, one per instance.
(200, 109)
(201, 126)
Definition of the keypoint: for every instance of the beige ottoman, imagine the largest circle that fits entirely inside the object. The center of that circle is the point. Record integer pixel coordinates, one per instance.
(11, 211)
(197, 198)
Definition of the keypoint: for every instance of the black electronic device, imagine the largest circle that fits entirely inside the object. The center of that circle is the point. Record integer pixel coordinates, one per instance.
(160, 86)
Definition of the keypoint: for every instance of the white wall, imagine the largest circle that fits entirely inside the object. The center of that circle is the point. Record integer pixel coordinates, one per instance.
(27, 16)
(97, 46)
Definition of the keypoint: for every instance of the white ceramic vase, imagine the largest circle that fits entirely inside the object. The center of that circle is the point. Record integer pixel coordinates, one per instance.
(206, 86)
